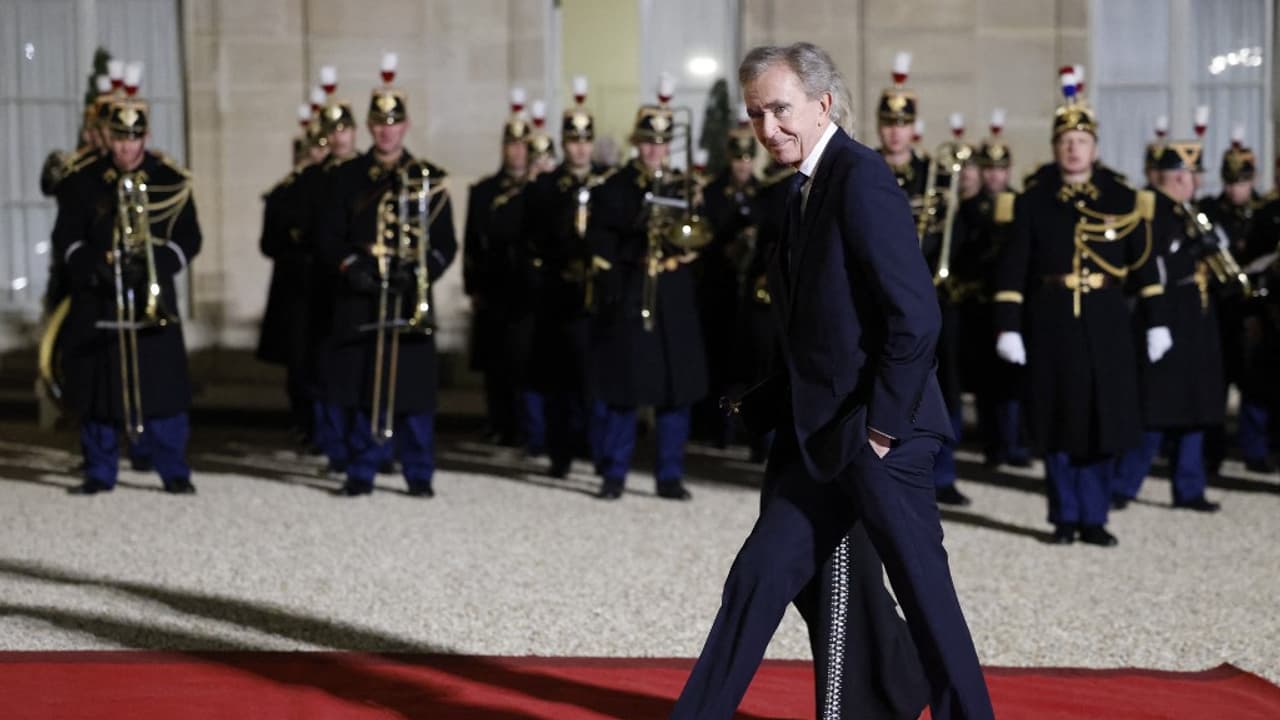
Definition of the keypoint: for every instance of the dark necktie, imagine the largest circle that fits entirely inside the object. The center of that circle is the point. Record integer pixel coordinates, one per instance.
(794, 239)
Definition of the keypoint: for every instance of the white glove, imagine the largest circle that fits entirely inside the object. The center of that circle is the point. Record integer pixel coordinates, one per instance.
(1158, 343)
(1010, 348)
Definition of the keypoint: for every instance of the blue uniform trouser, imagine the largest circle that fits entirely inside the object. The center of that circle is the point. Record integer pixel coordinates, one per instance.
(1254, 419)
(165, 439)
(533, 420)
(944, 464)
(1078, 491)
(618, 442)
(1008, 423)
(1186, 458)
(331, 433)
(413, 443)
(595, 432)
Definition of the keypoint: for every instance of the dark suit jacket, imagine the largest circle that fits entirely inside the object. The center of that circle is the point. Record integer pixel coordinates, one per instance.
(861, 319)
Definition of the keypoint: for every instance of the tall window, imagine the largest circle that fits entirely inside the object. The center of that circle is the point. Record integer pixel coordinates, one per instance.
(46, 55)
(1165, 57)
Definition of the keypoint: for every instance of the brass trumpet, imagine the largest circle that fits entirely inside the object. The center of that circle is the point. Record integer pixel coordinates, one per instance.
(947, 161)
(131, 238)
(1219, 261)
(403, 236)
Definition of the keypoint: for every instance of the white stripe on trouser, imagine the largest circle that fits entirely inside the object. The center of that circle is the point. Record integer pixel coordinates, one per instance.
(836, 629)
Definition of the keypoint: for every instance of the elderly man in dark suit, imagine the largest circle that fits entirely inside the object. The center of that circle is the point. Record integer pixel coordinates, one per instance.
(858, 412)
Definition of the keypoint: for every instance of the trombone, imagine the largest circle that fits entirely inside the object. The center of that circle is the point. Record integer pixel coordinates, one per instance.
(672, 218)
(403, 236)
(132, 238)
(947, 160)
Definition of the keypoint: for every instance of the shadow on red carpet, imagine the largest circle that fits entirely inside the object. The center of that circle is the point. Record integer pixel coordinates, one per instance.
(147, 685)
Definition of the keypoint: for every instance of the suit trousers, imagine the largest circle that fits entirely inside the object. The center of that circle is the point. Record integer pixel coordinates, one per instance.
(799, 529)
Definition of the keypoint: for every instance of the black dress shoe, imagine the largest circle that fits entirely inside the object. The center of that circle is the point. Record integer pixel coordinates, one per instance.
(949, 495)
(1261, 466)
(609, 490)
(350, 490)
(90, 487)
(179, 486)
(1063, 534)
(674, 490)
(421, 491)
(1200, 504)
(1097, 535)
(1119, 502)
(560, 470)
(1019, 461)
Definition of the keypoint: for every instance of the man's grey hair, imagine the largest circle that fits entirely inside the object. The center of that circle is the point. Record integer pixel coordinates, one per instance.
(815, 68)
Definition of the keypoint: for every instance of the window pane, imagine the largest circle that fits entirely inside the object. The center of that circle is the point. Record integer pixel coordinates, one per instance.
(1228, 41)
(1126, 123)
(1131, 41)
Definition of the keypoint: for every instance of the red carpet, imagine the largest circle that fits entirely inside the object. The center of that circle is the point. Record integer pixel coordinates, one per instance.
(312, 686)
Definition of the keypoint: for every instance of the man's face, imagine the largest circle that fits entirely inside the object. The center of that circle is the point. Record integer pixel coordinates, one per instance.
(653, 155)
(343, 141)
(970, 180)
(1238, 193)
(578, 152)
(995, 179)
(896, 138)
(317, 153)
(741, 168)
(1075, 151)
(786, 120)
(1153, 177)
(1178, 184)
(126, 152)
(388, 139)
(515, 156)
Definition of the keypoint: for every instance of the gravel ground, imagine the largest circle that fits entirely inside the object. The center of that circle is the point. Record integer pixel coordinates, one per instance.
(507, 561)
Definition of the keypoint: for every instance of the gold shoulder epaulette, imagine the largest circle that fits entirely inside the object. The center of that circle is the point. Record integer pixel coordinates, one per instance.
(172, 164)
(1145, 204)
(1004, 208)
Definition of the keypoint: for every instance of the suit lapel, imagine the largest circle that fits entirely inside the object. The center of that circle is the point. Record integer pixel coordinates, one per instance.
(813, 209)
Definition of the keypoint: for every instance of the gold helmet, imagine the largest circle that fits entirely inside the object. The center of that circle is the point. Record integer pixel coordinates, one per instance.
(1238, 163)
(1154, 149)
(517, 126)
(336, 114)
(1074, 113)
(897, 103)
(129, 116)
(540, 143)
(994, 151)
(577, 123)
(387, 102)
(656, 123)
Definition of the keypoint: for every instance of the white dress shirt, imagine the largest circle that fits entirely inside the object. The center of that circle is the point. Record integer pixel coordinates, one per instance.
(810, 164)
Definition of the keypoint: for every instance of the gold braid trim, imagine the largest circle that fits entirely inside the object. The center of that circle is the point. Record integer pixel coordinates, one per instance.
(1152, 290)
(1010, 296)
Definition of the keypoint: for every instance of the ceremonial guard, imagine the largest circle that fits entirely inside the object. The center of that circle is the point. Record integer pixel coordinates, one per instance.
(997, 385)
(1247, 363)
(645, 338)
(388, 230)
(730, 201)
(310, 198)
(896, 124)
(1078, 238)
(491, 274)
(284, 333)
(127, 225)
(558, 208)
(1182, 391)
